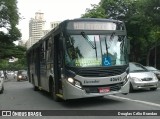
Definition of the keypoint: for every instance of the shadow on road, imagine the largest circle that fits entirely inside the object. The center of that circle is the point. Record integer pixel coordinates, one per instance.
(143, 91)
(90, 102)
(84, 102)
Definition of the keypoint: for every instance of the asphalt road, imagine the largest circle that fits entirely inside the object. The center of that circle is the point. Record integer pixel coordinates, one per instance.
(21, 96)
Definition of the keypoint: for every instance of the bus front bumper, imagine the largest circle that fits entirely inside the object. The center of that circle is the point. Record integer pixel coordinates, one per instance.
(72, 92)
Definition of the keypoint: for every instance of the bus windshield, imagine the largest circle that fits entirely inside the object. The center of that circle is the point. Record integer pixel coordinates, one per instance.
(96, 50)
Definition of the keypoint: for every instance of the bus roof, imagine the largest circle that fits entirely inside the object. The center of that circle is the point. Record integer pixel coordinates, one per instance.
(65, 22)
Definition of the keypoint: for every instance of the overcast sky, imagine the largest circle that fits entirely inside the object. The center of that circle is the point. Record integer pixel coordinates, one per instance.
(54, 10)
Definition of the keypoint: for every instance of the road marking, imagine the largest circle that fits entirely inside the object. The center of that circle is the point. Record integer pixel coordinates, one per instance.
(140, 101)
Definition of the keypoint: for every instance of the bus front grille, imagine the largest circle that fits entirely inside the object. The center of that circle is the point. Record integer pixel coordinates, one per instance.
(94, 89)
(101, 71)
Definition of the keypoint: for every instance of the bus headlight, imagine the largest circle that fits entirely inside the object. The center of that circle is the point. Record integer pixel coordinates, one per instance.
(71, 80)
(74, 82)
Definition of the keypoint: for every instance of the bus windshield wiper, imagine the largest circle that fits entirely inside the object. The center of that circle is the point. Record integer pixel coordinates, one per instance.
(88, 40)
(112, 35)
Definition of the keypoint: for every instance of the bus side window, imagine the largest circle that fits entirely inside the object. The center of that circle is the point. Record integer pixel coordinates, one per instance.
(42, 53)
(49, 51)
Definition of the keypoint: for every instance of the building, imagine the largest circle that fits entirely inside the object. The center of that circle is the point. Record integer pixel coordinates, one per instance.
(36, 26)
(54, 24)
(38, 29)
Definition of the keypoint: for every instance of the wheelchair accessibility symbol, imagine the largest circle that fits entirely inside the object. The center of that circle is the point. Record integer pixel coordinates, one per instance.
(106, 61)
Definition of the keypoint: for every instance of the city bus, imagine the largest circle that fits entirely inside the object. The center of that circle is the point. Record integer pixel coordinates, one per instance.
(81, 58)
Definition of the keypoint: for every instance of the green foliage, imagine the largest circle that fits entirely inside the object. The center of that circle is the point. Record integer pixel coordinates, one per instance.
(9, 18)
(17, 52)
(9, 32)
(95, 12)
(18, 65)
(117, 9)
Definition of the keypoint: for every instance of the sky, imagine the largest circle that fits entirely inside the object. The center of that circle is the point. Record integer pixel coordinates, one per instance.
(54, 10)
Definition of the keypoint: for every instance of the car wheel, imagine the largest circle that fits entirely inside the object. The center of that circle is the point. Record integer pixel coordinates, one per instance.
(153, 89)
(131, 88)
(1, 91)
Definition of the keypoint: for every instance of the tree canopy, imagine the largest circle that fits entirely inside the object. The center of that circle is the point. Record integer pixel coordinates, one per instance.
(9, 18)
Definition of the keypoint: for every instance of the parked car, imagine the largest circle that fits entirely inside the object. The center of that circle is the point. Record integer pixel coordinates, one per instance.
(22, 75)
(1, 73)
(1, 82)
(154, 70)
(141, 78)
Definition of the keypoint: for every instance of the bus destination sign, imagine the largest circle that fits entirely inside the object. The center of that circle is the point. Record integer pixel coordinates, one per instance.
(92, 26)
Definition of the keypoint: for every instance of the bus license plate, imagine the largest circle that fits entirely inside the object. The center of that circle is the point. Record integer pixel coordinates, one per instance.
(104, 90)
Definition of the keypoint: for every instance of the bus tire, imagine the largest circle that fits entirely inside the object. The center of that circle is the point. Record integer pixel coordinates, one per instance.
(53, 92)
(36, 88)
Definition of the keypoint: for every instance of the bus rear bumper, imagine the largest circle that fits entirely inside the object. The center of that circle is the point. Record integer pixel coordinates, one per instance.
(72, 92)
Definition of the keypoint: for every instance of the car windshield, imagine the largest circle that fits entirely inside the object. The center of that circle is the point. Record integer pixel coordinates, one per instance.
(134, 67)
(96, 50)
(22, 72)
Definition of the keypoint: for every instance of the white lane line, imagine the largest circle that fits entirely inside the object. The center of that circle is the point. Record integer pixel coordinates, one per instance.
(140, 101)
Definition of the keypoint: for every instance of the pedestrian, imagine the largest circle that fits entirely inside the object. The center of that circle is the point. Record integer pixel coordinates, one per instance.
(5, 75)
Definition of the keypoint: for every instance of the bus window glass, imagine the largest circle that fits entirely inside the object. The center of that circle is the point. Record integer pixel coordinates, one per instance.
(95, 50)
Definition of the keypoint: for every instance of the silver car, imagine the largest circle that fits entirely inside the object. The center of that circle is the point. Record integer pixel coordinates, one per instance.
(1, 82)
(141, 78)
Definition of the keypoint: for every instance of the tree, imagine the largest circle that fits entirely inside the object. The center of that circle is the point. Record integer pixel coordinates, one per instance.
(9, 18)
(9, 32)
(95, 12)
(17, 52)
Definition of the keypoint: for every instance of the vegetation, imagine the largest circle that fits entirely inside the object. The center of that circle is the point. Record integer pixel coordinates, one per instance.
(142, 21)
(9, 33)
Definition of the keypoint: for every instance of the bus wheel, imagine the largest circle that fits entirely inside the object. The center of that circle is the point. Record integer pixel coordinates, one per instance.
(36, 88)
(53, 92)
